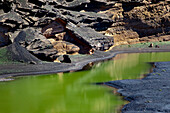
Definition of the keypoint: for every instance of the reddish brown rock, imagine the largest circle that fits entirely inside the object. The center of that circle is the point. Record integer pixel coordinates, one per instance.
(64, 47)
(60, 36)
(149, 20)
(139, 23)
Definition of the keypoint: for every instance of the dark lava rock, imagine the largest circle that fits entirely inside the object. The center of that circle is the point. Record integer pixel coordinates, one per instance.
(94, 20)
(90, 37)
(71, 3)
(37, 44)
(52, 17)
(17, 53)
(150, 94)
(53, 28)
(5, 6)
(63, 3)
(11, 19)
(64, 59)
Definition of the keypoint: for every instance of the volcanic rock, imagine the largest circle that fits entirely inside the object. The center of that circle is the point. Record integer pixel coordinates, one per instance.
(71, 3)
(87, 25)
(64, 47)
(138, 23)
(37, 44)
(149, 20)
(89, 19)
(64, 59)
(11, 19)
(90, 37)
(52, 29)
(17, 53)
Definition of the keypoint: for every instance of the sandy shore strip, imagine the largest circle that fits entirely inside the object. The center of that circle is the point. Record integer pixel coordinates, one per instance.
(78, 62)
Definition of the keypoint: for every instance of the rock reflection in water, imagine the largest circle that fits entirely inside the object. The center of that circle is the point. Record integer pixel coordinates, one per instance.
(75, 92)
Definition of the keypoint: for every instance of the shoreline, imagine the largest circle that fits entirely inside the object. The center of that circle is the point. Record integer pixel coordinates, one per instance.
(51, 68)
(149, 94)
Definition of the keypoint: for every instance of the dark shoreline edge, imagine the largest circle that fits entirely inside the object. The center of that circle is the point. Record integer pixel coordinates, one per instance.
(15, 70)
(148, 95)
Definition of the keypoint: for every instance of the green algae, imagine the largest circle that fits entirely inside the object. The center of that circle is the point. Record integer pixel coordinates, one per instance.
(75, 92)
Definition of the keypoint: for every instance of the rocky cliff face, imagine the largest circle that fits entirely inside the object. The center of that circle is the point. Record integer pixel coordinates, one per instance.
(50, 28)
(140, 22)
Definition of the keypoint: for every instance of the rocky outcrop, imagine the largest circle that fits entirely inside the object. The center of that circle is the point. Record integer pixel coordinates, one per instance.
(17, 53)
(94, 20)
(149, 20)
(90, 37)
(36, 44)
(52, 29)
(71, 3)
(134, 22)
(81, 26)
(64, 47)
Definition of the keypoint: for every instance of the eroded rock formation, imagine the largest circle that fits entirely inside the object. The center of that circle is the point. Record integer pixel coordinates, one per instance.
(50, 28)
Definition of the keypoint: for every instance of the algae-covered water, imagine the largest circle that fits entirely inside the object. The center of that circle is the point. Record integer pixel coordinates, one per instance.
(75, 92)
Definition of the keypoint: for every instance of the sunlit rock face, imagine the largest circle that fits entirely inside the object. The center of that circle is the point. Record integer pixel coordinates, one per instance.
(149, 20)
(64, 47)
(134, 22)
(62, 27)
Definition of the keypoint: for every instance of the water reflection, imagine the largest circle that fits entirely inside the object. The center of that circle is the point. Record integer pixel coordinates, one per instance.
(74, 92)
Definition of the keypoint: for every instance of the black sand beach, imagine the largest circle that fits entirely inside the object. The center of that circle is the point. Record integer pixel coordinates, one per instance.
(148, 95)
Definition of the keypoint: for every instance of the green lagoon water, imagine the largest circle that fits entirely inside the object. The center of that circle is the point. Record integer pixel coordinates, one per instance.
(75, 92)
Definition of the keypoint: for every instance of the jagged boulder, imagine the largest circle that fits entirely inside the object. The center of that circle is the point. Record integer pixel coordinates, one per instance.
(23, 3)
(94, 20)
(37, 44)
(63, 3)
(53, 28)
(71, 3)
(90, 37)
(18, 53)
(64, 47)
(11, 19)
